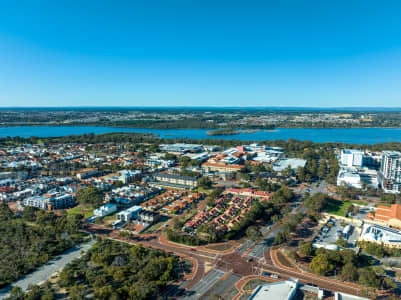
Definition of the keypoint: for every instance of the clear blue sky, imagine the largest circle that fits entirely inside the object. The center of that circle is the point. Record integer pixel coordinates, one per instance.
(200, 53)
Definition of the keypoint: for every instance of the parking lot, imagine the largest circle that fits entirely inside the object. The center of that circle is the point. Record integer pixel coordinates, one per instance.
(330, 233)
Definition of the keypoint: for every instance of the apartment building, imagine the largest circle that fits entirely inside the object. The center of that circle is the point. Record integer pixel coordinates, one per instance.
(390, 172)
(176, 180)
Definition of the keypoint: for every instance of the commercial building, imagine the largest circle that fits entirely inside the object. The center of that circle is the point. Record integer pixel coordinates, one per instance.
(343, 296)
(385, 236)
(283, 164)
(352, 158)
(386, 216)
(390, 172)
(180, 148)
(349, 178)
(284, 290)
(105, 210)
(210, 167)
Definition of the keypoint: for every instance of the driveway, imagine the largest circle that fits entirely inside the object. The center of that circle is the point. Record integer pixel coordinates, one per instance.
(44, 272)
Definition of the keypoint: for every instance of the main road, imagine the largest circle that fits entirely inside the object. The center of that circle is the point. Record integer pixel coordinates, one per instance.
(46, 271)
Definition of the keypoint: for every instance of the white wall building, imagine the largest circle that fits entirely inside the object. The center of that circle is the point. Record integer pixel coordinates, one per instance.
(129, 214)
(105, 210)
(349, 178)
(284, 290)
(380, 234)
(352, 158)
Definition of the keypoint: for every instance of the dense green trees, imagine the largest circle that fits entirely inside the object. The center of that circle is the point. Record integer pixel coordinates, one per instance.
(306, 249)
(26, 246)
(253, 233)
(90, 195)
(205, 182)
(113, 270)
(317, 202)
(321, 264)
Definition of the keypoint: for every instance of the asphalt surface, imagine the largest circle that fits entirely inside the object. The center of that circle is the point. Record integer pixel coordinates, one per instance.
(204, 285)
(47, 270)
(259, 250)
(221, 287)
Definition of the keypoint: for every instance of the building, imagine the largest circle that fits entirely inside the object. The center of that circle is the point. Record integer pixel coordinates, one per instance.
(61, 201)
(148, 216)
(390, 172)
(36, 201)
(57, 201)
(352, 158)
(105, 210)
(128, 176)
(180, 148)
(343, 296)
(174, 180)
(349, 178)
(210, 167)
(86, 173)
(283, 164)
(284, 290)
(129, 214)
(385, 236)
(386, 216)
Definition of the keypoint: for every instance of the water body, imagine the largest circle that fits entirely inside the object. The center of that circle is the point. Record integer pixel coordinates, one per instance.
(344, 135)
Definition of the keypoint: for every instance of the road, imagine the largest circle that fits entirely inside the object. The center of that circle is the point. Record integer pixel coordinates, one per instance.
(204, 285)
(46, 271)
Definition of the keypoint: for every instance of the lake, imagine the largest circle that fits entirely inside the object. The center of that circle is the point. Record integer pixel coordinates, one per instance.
(345, 135)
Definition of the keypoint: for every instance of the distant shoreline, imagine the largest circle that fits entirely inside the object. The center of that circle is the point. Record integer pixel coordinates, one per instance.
(245, 130)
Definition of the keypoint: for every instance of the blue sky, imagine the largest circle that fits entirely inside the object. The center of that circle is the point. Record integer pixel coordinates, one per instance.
(200, 53)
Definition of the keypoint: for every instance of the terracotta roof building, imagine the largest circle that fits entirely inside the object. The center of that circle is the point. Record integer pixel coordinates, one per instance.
(389, 216)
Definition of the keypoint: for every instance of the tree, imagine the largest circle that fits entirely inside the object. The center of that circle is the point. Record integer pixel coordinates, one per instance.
(317, 202)
(294, 255)
(368, 277)
(184, 161)
(90, 195)
(77, 292)
(321, 265)
(204, 182)
(349, 272)
(306, 249)
(341, 242)
(16, 293)
(253, 233)
(280, 238)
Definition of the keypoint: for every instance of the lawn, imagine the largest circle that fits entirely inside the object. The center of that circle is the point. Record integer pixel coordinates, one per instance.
(87, 211)
(340, 208)
(337, 207)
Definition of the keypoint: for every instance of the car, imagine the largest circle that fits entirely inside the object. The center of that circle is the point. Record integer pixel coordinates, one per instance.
(266, 274)
(192, 249)
(274, 276)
